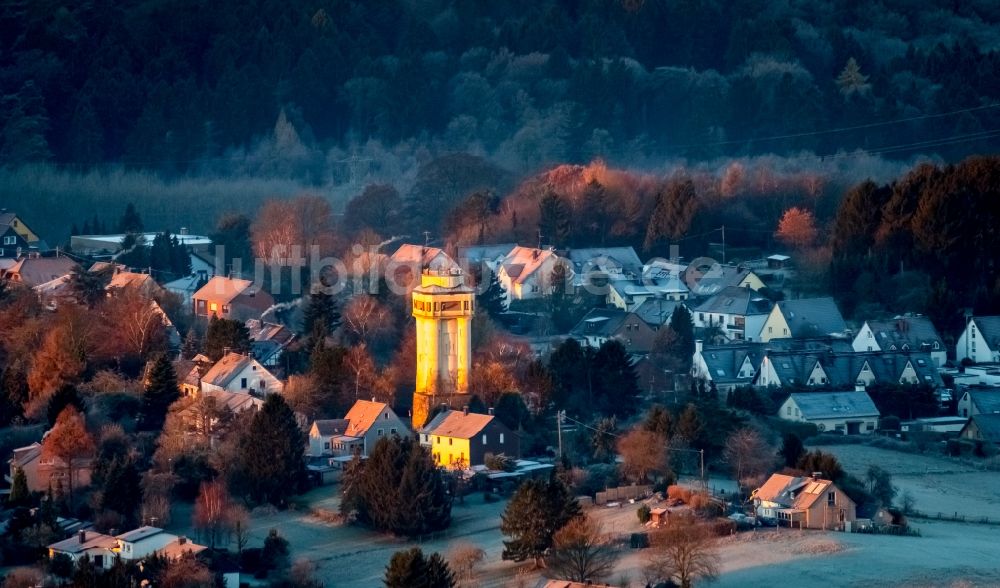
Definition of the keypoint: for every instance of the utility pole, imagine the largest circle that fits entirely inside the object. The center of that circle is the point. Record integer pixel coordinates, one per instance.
(702, 454)
(559, 419)
(723, 244)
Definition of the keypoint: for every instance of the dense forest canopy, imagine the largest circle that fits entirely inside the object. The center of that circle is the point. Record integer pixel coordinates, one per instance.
(180, 86)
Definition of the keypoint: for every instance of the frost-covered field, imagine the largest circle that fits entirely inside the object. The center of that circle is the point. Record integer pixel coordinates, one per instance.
(937, 484)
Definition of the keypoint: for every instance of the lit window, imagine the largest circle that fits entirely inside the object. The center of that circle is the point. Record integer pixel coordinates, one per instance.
(213, 307)
(501, 438)
(484, 439)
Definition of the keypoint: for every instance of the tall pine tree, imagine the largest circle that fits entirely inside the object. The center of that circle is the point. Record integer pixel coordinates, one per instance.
(320, 317)
(554, 219)
(161, 391)
(269, 465)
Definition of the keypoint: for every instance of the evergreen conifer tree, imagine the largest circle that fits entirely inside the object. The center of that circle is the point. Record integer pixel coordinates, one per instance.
(554, 219)
(537, 510)
(225, 334)
(493, 299)
(130, 221)
(161, 391)
(269, 458)
(320, 317)
(18, 488)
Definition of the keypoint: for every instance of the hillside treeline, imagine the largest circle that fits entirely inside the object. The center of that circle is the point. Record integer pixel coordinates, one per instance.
(299, 88)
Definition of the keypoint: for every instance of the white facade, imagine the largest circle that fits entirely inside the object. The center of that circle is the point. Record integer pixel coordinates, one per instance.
(973, 346)
(847, 424)
(250, 377)
(867, 341)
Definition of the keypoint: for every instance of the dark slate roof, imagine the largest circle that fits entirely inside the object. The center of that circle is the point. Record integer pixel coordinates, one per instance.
(714, 279)
(331, 427)
(656, 311)
(589, 259)
(986, 401)
(725, 361)
(843, 369)
(824, 405)
(989, 329)
(602, 322)
(988, 425)
(913, 331)
(809, 317)
(814, 344)
(735, 300)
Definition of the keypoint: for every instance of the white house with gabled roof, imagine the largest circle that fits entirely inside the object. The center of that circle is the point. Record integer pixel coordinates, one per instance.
(980, 341)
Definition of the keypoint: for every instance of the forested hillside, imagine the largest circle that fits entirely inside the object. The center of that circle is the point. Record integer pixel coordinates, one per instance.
(181, 86)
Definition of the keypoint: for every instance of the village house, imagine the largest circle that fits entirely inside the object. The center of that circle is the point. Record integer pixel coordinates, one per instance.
(601, 325)
(459, 439)
(187, 286)
(230, 298)
(135, 545)
(903, 333)
(358, 432)
(410, 260)
(138, 282)
(984, 401)
(596, 269)
(847, 413)
(236, 372)
(16, 239)
(490, 256)
(35, 270)
(656, 311)
(709, 280)
(42, 472)
(982, 427)
(804, 502)
(269, 341)
(526, 273)
(727, 366)
(809, 367)
(208, 413)
(738, 313)
(803, 318)
(979, 341)
(629, 293)
(98, 547)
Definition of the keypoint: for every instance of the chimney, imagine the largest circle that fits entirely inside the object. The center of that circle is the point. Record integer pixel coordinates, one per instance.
(490, 410)
(698, 345)
(817, 475)
(184, 231)
(226, 350)
(83, 536)
(182, 540)
(465, 410)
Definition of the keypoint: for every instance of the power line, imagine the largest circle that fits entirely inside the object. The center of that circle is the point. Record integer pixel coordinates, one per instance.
(833, 130)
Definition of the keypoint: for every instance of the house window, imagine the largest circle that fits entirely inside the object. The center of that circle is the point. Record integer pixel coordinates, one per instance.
(701, 316)
(243, 382)
(770, 330)
(385, 415)
(451, 441)
(426, 437)
(10, 240)
(213, 307)
(870, 426)
(484, 439)
(789, 411)
(831, 498)
(501, 438)
(785, 331)
(326, 445)
(225, 309)
(392, 431)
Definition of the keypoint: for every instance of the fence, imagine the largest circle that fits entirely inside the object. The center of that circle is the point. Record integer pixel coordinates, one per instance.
(954, 518)
(622, 493)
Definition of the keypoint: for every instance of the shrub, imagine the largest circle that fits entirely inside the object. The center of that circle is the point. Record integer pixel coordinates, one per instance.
(723, 527)
(643, 513)
(679, 493)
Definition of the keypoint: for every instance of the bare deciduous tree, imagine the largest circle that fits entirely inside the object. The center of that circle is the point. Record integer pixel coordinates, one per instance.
(210, 510)
(463, 560)
(366, 320)
(581, 552)
(70, 443)
(643, 453)
(682, 553)
(749, 456)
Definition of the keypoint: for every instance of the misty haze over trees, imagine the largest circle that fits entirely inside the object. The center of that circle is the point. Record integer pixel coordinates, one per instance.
(479, 123)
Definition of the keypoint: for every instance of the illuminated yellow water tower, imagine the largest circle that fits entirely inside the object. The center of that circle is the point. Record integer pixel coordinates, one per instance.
(443, 306)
